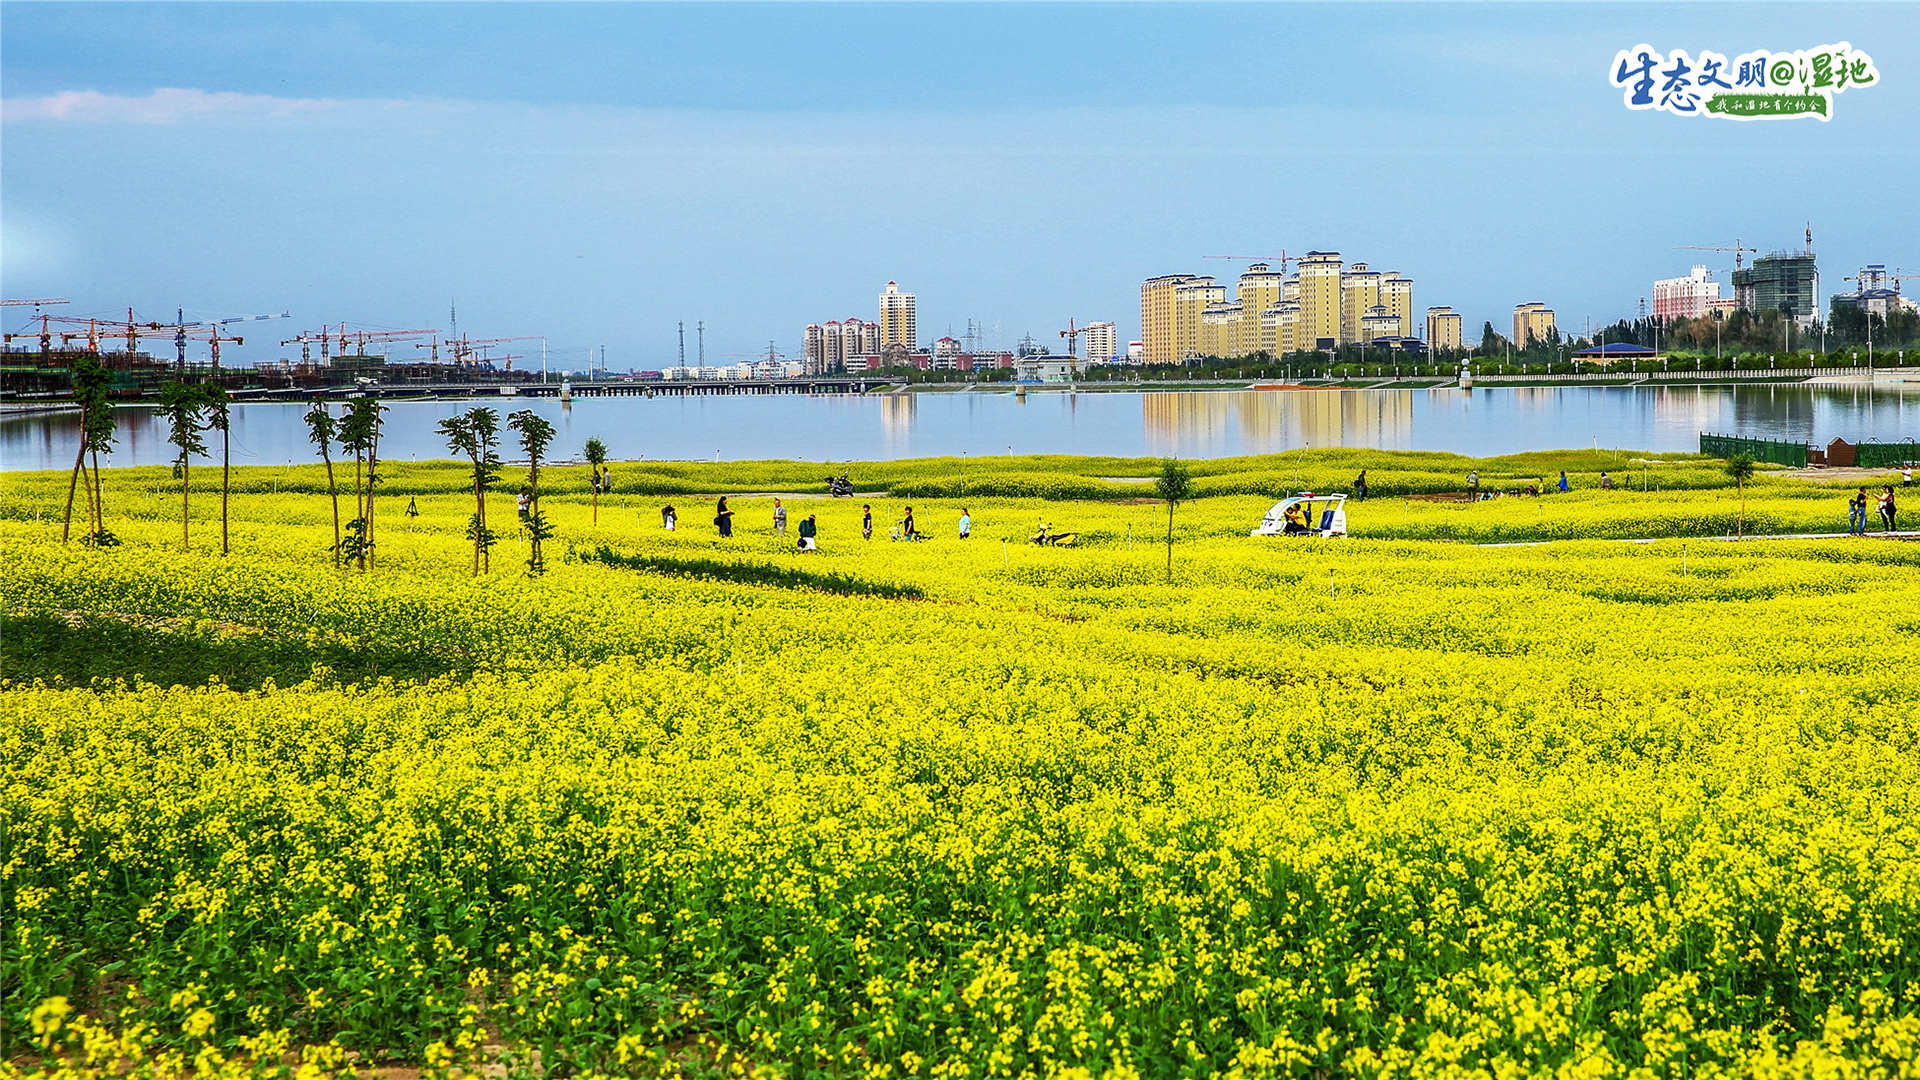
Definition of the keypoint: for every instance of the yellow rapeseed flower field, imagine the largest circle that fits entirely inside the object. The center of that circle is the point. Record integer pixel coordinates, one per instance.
(1389, 806)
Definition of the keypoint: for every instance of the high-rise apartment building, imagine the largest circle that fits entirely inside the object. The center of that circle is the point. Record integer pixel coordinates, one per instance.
(1099, 343)
(1779, 282)
(1531, 322)
(1322, 306)
(1220, 329)
(1684, 297)
(1319, 300)
(815, 360)
(1157, 330)
(1443, 329)
(1396, 294)
(833, 345)
(1359, 292)
(896, 318)
(1191, 298)
(1378, 323)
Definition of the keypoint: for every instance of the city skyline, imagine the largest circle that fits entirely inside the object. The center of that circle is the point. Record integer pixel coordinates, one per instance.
(600, 173)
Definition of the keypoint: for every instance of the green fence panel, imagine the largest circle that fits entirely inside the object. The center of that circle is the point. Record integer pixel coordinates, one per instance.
(1886, 455)
(1779, 453)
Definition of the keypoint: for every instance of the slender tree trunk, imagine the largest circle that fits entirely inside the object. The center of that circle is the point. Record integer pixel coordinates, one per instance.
(360, 508)
(99, 498)
(1169, 541)
(73, 484)
(373, 469)
(333, 494)
(226, 471)
(185, 474)
(479, 516)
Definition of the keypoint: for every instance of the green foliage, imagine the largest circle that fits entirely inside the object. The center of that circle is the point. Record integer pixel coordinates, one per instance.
(184, 407)
(1739, 469)
(595, 453)
(1175, 482)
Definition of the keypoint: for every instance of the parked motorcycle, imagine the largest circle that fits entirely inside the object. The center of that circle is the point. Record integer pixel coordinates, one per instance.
(840, 487)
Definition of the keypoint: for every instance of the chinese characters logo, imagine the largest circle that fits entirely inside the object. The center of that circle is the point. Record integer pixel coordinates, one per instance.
(1753, 86)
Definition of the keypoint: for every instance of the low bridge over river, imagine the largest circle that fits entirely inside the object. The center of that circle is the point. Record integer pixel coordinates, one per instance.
(822, 384)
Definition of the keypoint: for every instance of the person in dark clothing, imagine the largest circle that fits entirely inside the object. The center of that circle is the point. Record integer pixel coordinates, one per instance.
(866, 522)
(1360, 486)
(906, 525)
(808, 531)
(723, 518)
(1887, 508)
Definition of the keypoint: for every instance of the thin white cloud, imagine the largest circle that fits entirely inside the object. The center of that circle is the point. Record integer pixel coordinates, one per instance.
(170, 106)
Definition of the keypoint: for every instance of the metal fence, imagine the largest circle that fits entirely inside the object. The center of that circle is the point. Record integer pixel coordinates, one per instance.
(1886, 455)
(1780, 453)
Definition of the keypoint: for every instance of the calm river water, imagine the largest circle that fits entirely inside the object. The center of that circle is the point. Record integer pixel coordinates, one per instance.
(1484, 421)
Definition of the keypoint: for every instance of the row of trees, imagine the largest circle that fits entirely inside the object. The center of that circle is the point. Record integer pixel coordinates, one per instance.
(193, 409)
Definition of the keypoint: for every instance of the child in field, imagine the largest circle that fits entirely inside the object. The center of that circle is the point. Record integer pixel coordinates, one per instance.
(866, 522)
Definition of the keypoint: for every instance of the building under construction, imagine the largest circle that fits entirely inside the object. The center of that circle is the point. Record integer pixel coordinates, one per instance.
(1784, 282)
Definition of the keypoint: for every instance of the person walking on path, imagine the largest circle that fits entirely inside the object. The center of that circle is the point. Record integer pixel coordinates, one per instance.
(966, 523)
(1857, 513)
(1473, 485)
(723, 517)
(1563, 481)
(669, 517)
(1360, 486)
(866, 521)
(779, 519)
(1887, 508)
(808, 530)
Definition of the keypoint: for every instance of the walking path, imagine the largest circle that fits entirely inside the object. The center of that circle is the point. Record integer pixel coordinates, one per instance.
(1902, 534)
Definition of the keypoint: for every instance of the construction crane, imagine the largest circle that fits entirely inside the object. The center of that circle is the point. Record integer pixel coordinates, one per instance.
(42, 302)
(1738, 251)
(327, 335)
(1283, 258)
(210, 327)
(466, 351)
(1072, 334)
(96, 328)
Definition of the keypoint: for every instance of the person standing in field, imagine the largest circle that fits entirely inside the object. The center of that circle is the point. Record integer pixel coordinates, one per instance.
(1563, 481)
(1606, 482)
(808, 530)
(723, 518)
(1887, 508)
(1473, 485)
(1857, 513)
(906, 525)
(966, 523)
(1906, 476)
(779, 519)
(866, 522)
(669, 517)
(1360, 486)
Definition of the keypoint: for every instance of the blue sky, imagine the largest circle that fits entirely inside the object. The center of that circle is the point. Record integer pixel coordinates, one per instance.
(597, 172)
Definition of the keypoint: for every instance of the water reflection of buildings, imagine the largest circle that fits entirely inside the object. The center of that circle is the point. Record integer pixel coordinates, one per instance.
(896, 422)
(1225, 423)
